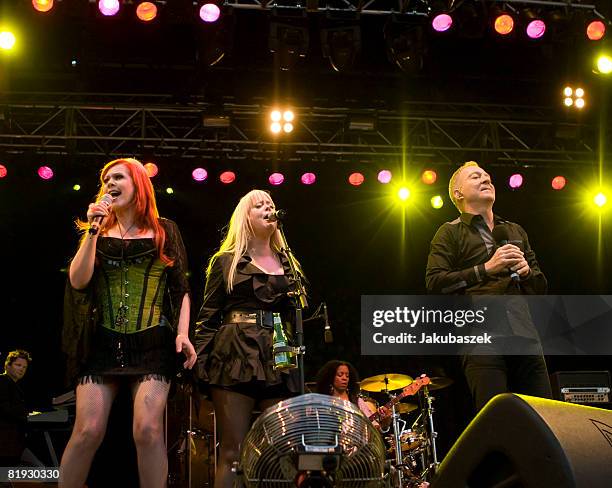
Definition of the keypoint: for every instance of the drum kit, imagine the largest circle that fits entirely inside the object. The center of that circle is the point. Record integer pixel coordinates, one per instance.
(411, 425)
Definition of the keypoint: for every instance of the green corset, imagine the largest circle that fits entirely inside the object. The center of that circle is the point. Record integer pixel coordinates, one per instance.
(131, 291)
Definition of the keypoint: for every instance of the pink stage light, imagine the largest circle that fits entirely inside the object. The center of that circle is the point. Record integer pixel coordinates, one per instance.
(558, 182)
(227, 177)
(276, 179)
(536, 29)
(308, 178)
(442, 22)
(515, 181)
(45, 172)
(209, 12)
(108, 7)
(199, 174)
(3, 171)
(384, 176)
(356, 179)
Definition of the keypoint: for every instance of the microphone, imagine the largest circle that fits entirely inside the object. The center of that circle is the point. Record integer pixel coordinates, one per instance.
(277, 215)
(502, 237)
(106, 200)
(328, 332)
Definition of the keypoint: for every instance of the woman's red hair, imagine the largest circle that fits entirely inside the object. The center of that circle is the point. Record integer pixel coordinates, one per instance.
(147, 216)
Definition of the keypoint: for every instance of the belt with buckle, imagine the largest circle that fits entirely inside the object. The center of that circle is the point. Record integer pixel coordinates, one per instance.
(263, 318)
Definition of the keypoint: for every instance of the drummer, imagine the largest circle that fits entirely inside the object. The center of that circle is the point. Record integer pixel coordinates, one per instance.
(341, 380)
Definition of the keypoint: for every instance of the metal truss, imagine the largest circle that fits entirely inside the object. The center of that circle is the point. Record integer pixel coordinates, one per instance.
(423, 133)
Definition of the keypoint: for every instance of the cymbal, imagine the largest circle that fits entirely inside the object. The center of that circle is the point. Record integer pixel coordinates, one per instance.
(382, 382)
(405, 407)
(439, 382)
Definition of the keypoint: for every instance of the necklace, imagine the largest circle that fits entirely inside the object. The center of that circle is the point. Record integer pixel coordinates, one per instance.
(123, 234)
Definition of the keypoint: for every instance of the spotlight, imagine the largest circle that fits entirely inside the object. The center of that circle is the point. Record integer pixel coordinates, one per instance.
(579, 103)
(442, 22)
(515, 181)
(288, 127)
(209, 12)
(76, 187)
(604, 64)
(288, 115)
(596, 30)
(574, 97)
(199, 174)
(429, 177)
(535, 25)
(45, 172)
(151, 169)
(146, 11)
(503, 24)
(384, 176)
(3, 171)
(437, 202)
(281, 121)
(558, 183)
(356, 179)
(341, 45)
(227, 177)
(42, 5)
(7, 40)
(308, 178)
(170, 190)
(275, 115)
(108, 7)
(275, 127)
(568, 101)
(405, 45)
(600, 199)
(288, 43)
(403, 194)
(276, 179)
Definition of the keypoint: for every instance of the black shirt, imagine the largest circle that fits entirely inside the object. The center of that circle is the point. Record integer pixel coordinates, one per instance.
(13, 418)
(459, 251)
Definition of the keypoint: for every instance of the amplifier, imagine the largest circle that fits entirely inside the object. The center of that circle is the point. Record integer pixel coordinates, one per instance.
(584, 387)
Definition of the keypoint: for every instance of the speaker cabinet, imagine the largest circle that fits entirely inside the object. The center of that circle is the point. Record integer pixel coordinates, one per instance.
(522, 441)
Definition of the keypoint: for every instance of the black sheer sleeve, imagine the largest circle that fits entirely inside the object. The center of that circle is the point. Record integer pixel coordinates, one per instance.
(178, 285)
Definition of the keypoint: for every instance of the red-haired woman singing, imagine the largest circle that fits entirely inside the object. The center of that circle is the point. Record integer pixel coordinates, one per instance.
(128, 283)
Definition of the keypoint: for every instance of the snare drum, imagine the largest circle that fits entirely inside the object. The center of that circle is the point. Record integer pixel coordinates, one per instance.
(410, 440)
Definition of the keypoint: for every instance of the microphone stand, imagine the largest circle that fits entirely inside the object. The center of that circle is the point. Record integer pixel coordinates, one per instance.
(298, 296)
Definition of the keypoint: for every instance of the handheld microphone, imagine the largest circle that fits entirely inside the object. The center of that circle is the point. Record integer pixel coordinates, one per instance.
(107, 200)
(502, 237)
(277, 215)
(328, 332)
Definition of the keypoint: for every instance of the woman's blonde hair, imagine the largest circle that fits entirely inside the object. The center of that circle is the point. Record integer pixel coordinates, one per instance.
(239, 232)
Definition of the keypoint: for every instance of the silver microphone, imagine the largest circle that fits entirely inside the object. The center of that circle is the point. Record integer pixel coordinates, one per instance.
(107, 200)
(328, 332)
(277, 215)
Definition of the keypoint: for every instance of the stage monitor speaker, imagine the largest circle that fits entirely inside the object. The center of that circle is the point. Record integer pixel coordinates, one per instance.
(527, 442)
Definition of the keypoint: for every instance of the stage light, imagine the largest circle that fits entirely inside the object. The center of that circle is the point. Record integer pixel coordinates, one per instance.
(227, 177)
(405, 45)
(42, 5)
(604, 64)
(308, 178)
(384, 176)
(341, 45)
(596, 30)
(574, 97)
(403, 194)
(288, 127)
(535, 29)
(429, 177)
(275, 115)
(199, 174)
(568, 91)
(579, 103)
(45, 172)
(504, 24)
(170, 190)
(558, 182)
(579, 93)
(437, 202)
(76, 187)
(3, 171)
(146, 11)
(600, 199)
(515, 181)
(210, 12)
(288, 115)
(7, 40)
(288, 43)
(151, 169)
(108, 7)
(275, 127)
(281, 121)
(442, 22)
(568, 102)
(356, 179)
(276, 179)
